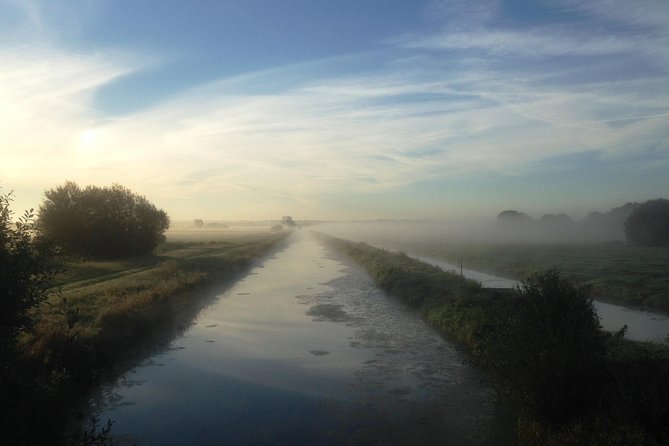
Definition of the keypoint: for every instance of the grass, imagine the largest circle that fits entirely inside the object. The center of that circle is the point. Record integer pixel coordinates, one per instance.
(569, 383)
(101, 314)
(615, 272)
(106, 307)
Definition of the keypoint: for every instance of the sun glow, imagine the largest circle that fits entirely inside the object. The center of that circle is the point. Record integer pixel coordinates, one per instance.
(88, 137)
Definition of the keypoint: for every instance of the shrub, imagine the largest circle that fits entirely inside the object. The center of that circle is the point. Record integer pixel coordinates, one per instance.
(550, 346)
(26, 272)
(109, 222)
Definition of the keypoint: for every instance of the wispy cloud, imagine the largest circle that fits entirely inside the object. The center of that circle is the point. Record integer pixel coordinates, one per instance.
(420, 116)
(548, 42)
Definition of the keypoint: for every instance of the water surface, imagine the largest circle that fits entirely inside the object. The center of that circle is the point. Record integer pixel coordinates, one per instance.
(304, 350)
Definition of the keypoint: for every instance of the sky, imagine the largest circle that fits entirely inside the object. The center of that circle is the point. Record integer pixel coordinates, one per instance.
(347, 109)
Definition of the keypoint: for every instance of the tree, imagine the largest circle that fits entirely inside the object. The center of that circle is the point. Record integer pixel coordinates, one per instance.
(288, 221)
(648, 224)
(515, 224)
(101, 222)
(198, 222)
(26, 271)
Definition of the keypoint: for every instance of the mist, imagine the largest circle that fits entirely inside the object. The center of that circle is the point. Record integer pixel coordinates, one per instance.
(509, 226)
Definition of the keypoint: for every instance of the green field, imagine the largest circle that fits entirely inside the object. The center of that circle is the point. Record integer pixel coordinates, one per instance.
(617, 272)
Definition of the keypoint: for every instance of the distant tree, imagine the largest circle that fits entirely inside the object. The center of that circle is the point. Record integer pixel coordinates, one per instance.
(556, 220)
(609, 225)
(198, 222)
(515, 224)
(648, 224)
(101, 222)
(553, 225)
(277, 228)
(513, 217)
(26, 272)
(288, 221)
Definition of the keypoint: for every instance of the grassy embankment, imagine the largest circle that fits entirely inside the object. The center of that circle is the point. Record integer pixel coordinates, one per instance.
(569, 383)
(620, 273)
(102, 314)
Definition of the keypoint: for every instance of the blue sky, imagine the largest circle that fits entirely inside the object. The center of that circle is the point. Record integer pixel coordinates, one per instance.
(350, 109)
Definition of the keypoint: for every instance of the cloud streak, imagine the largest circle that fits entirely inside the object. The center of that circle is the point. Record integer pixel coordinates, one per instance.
(368, 133)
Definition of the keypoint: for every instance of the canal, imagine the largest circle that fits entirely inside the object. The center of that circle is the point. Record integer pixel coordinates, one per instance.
(304, 350)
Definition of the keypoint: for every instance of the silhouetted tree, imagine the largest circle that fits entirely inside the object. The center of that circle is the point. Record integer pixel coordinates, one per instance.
(288, 221)
(107, 222)
(648, 225)
(198, 222)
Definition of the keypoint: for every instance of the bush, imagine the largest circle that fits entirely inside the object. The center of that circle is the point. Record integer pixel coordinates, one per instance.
(550, 346)
(109, 222)
(25, 274)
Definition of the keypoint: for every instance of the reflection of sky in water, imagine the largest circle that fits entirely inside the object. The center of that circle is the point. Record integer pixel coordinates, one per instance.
(486, 280)
(302, 344)
(641, 325)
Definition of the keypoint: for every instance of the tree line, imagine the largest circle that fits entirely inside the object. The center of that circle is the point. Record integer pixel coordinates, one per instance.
(641, 224)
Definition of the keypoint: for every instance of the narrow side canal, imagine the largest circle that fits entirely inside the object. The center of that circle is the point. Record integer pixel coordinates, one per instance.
(305, 350)
(641, 325)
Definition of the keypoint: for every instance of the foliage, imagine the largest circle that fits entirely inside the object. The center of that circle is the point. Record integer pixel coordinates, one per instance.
(648, 225)
(549, 346)
(26, 271)
(107, 222)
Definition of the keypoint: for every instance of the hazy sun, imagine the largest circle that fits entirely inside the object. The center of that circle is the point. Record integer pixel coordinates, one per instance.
(88, 137)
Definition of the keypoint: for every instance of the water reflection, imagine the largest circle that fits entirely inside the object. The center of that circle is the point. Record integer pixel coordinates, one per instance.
(641, 325)
(306, 351)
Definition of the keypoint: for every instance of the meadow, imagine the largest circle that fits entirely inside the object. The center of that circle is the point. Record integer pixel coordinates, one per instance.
(102, 315)
(615, 272)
